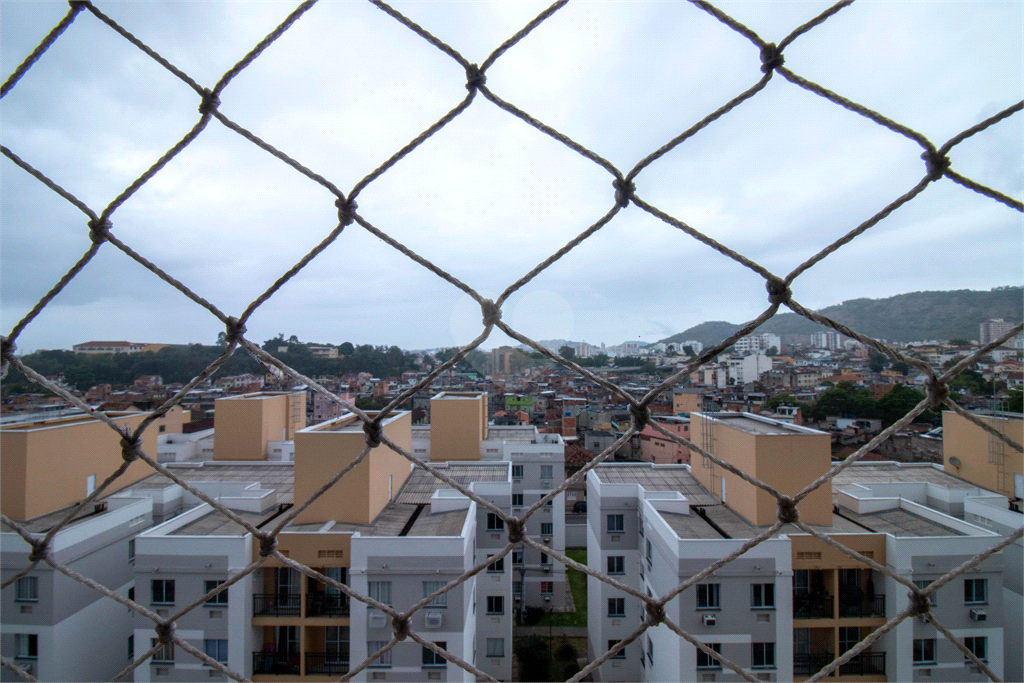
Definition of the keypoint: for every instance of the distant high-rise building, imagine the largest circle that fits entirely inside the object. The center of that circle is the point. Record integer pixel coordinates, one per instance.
(993, 329)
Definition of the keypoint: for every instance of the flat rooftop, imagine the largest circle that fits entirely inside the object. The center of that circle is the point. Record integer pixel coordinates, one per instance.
(216, 523)
(751, 424)
(899, 523)
(420, 485)
(874, 472)
(657, 478)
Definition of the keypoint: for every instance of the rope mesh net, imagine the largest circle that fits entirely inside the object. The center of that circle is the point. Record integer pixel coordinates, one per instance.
(937, 165)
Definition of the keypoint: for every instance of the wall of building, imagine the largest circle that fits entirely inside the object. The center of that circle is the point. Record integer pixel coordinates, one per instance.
(984, 459)
(458, 423)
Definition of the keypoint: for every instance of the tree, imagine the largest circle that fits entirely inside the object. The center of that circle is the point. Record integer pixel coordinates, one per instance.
(959, 342)
(688, 350)
(898, 402)
(772, 351)
(81, 377)
(346, 349)
(846, 398)
(567, 352)
(901, 367)
(222, 339)
(1015, 401)
(293, 339)
(534, 659)
(876, 361)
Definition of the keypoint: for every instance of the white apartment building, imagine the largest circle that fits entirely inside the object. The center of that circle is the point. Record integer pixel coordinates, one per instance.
(758, 342)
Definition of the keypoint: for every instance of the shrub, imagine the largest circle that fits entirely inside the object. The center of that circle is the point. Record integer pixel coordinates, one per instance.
(566, 652)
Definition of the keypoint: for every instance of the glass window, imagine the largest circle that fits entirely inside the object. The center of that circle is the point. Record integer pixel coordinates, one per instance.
(978, 645)
(650, 553)
(517, 499)
(975, 590)
(621, 654)
(544, 558)
(131, 551)
(616, 523)
(616, 564)
(431, 658)
(708, 596)
(650, 651)
(762, 595)
(547, 587)
(218, 599)
(706, 661)
(28, 589)
(933, 599)
(496, 566)
(430, 587)
(495, 604)
(26, 645)
(801, 582)
(546, 528)
(517, 557)
(374, 645)
(517, 588)
(216, 649)
(495, 647)
(517, 471)
(924, 651)
(546, 471)
(165, 653)
(163, 591)
(762, 654)
(131, 648)
(380, 591)
(616, 607)
(494, 522)
(848, 637)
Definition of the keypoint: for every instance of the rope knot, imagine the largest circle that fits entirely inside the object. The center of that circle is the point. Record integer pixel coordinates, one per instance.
(491, 311)
(98, 228)
(778, 291)
(39, 548)
(624, 190)
(210, 102)
(78, 5)
(234, 330)
(164, 632)
(787, 514)
(372, 433)
(474, 77)
(7, 348)
(641, 416)
(346, 210)
(130, 447)
(936, 164)
(655, 613)
(400, 623)
(516, 530)
(771, 58)
(919, 604)
(268, 544)
(938, 391)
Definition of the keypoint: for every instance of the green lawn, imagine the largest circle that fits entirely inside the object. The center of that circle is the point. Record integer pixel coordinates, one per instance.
(578, 584)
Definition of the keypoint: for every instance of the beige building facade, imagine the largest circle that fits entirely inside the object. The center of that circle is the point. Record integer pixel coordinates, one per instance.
(458, 423)
(971, 453)
(246, 423)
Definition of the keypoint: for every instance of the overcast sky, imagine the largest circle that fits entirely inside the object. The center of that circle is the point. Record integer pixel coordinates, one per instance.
(489, 197)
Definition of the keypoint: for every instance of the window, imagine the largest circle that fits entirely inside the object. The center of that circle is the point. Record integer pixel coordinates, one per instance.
(549, 503)
(708, 596)
(165, 653)
(547, 587)
(762, 654)
(430, 587)
(216, 650)
(28, 589)
(131, 551)
(374, 645)
(616, 564)
(517, 588)
(431, 658)
(26, 645)
(517, 471)
(380, 591)
(848, 637)
(924, 651)
(218, 599)
(495, 647)
(517, 557)
(546, 528)
(498, 566)
(616, 524)
(131, 594)
(621, 654)
(762, 595)
(544, 558)
(163, 591)
(131, 648)
(650, 553)
(546, 471)
(706, 661)
(975, 590)
(495, 604)
(978, 645)
(494, 522)
(801, 582)
(650, 651)
(517, 499)
(932, 599)
(616, 607)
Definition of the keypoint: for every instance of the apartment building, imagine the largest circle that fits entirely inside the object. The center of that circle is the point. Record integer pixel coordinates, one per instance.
(791, 605)
(250, 426)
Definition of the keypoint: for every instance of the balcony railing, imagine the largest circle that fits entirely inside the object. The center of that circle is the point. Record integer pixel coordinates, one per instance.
(864, 664)
(816, 606)
(326, 605)
(276, 604)
(808, 665)
(868, 607)
(285, 664)
(327, 663)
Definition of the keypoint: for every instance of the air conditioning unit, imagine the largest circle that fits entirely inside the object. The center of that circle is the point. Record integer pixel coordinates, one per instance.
(377, 620)
(433, 620)
(517, 598)
(547, 539)
(979, 615)
(547, 568)
(547, 598)
(545, 484)
(708, 619)
(26, 667)
(923, 618)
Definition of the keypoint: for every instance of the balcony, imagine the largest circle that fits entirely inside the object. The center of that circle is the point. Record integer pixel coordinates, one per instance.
(813, 606)
(808, 665)
(326, 605)
(327, 663)
(276, 604)
(284, 664)
(864, 664)
(867, 607)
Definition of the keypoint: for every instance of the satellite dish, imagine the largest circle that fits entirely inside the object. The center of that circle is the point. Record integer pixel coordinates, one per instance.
(954, 461)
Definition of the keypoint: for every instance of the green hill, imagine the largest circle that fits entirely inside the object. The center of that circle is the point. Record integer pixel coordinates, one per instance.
(917, 316)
